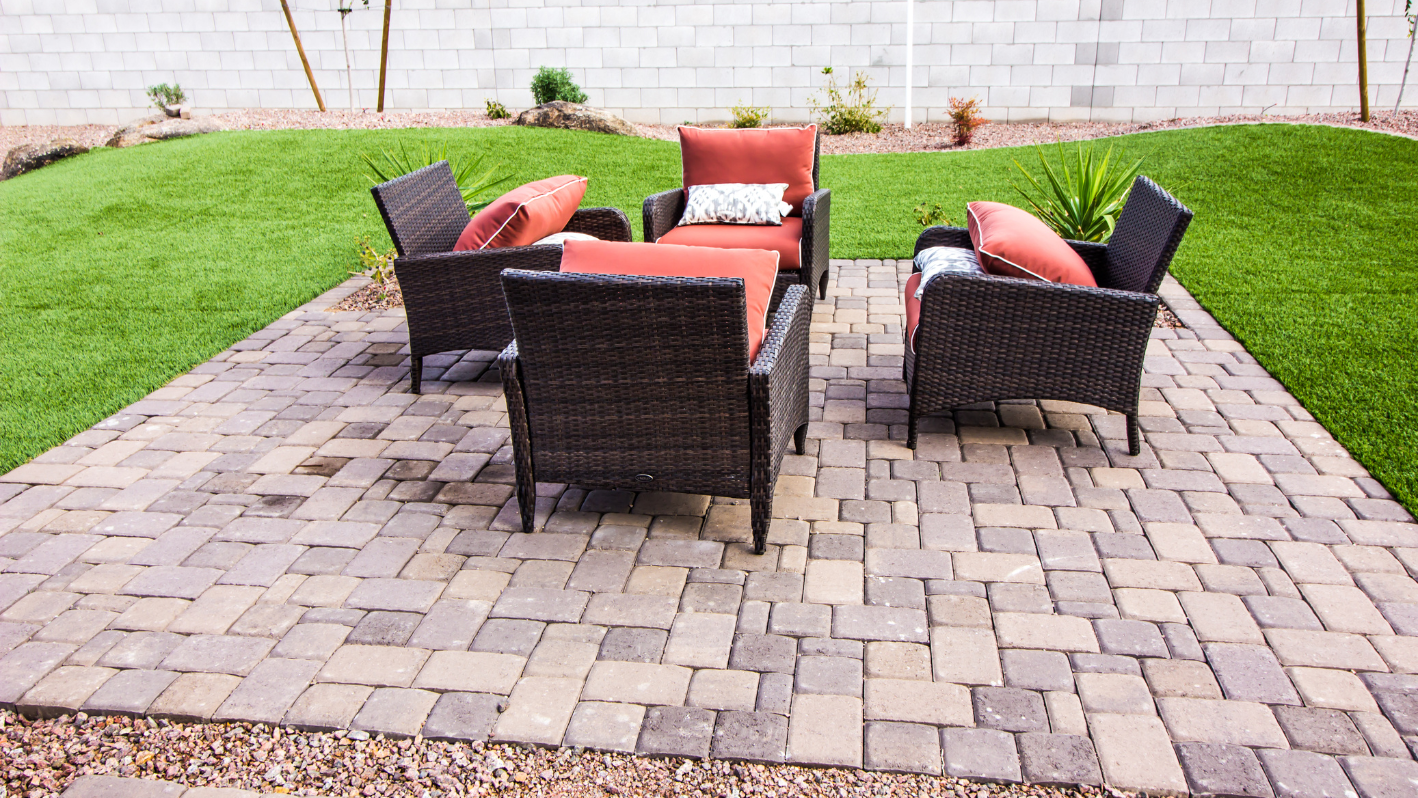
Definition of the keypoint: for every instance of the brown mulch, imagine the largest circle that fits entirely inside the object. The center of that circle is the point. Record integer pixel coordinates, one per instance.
(372, 297)
(42, 757)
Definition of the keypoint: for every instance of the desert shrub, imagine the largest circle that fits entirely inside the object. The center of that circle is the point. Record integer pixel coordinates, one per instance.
(496, 110)
(965, 116)
(165, 95)
(748, 116)
(556, 84)
(1081, 195)
(474, 182)
(930, 216)
(848, 109)
(377, 267)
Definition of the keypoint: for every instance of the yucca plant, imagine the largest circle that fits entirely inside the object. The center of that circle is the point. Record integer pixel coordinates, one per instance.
(473, 181)
(1081, 196)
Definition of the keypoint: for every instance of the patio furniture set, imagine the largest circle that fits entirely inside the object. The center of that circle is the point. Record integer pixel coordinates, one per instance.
(681, 364)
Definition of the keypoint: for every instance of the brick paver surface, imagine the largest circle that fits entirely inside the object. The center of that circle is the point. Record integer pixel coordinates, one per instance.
(285, 534)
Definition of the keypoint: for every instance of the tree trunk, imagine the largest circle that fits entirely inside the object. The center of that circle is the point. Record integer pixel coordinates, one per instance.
(345, 39)
(1363, 63)
(1412, 37)
(384, 54)
(310, 76)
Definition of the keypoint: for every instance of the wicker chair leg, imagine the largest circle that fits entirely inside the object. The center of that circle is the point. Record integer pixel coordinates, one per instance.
(527, 498)
(911, 431)
(800, 439)
(822, 284)
(1134, 439)
(761, 509)
(415, 373)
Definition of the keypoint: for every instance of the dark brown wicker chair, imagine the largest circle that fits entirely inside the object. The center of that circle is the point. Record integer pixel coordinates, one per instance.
(663, 211)
(454, 299)
(986, 338)
(643, 383)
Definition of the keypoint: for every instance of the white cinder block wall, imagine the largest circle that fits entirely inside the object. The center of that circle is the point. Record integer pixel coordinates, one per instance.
(89, 61)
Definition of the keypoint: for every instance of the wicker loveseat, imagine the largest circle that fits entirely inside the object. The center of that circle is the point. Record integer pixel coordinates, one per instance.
(984, 338)
(454, 299)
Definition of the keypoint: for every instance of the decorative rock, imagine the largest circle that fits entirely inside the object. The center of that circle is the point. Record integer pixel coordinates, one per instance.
(29, 157)
(573, 116)
(160, 128)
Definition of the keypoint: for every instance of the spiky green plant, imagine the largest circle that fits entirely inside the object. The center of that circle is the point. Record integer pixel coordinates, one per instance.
(473, 181)
(1081, 196)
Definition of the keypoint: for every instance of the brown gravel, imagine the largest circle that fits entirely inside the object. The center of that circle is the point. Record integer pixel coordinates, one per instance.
(928, 137)
(372, 297)
(41, 757)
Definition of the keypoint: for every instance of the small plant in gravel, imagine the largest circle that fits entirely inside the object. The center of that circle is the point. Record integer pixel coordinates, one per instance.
(474, 182)
(748, 116)
(965, 116)
(932, 215)
(496, 110)
(1081, 196)
(377, 267)
(850, 108)
(556, 84)
(164, 95)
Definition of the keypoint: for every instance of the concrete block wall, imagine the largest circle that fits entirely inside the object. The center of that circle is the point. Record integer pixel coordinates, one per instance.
(89, 61)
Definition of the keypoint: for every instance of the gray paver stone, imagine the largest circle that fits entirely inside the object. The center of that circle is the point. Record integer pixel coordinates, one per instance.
(1327, 731)
(632, 644)
(902, 747)
(800, 620)
(1058, 759)
(984, 754)
(395, 711)
(1250, 673)
(764, 653)
(879, 623)
(1031, 669)
(604, 725)
(266, 694)
(1223, 770)
(1130, 638)
(327, 706)
(26, 665)
(752, 736)
(1302, 774)
(1010, 709)
(462, 716)
(218, 654)
(829, 676)
(676, 731)
(775, 693)
(540, 604)
(115, 787)
(1381, 777)
(129, 692)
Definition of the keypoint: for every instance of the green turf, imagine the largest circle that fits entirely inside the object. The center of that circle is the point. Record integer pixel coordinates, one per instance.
(1300, 247)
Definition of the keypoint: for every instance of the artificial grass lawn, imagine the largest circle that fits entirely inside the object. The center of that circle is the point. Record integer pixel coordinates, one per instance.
(1300, 247)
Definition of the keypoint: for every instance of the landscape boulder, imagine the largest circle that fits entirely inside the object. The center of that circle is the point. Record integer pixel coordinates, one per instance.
(574, 116)
(29, 157)
(160, 128)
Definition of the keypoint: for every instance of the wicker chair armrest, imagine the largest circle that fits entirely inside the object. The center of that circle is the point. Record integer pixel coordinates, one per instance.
(943, 237)
(777, 379)
(1094, 254)
(817, 235)
(662, 212)
(1095, 317)
(607, 224)
(439, 269)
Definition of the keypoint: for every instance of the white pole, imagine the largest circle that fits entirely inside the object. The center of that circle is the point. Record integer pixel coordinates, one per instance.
(910, 23)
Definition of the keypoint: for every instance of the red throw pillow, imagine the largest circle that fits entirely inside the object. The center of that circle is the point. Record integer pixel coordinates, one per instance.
(767, 155)
(756, 267)
(1010, 242)
(525, 214)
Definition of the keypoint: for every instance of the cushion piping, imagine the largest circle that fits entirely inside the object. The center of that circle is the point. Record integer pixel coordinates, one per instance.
(525, 203)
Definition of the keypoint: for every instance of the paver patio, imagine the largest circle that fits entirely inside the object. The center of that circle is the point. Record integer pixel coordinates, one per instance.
(285, 535)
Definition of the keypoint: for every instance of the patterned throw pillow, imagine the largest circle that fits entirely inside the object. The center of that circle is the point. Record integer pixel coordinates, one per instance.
(945, 260)
(736, 203)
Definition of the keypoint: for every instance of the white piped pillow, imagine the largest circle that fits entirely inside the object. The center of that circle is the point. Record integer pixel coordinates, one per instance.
(736, 203)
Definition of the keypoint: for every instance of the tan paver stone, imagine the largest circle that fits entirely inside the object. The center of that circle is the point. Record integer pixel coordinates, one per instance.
(106, 477)
(562, 659)
(1159, 606)
(1014, 515)
(538, 711)
(327, 706)
(948, 610)
(834, 582)
(1221, 618)
(825, 730)
(657, 580)
(63, 691)
(477, 584)
(281, 460)
(1180, 678)
(150, 614)
(997, 567)
(915, 701)
(108, 550)
(889, 660)
(1117, 693)
(637, 683)
(105, 578)
(1065, 713)
(74, 626)
(700, 640)
(1324, 650)
(1179, 542)
(193, 696)
(1345, 609)
(1223, 722)
(605, 726)
(1358, 559)
(1136, 754)
(1237, 467)
(41, 606)
(724, 689)
(1053, 632)
(1401, 653)
(1150, 574)
(1332, 689)
(377, 666)
(213, 612)
(1310, 563)
(965, 655)
(470, 672)
(325, 590)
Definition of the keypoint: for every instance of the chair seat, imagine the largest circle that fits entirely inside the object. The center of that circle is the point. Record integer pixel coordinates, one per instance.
(785, 240)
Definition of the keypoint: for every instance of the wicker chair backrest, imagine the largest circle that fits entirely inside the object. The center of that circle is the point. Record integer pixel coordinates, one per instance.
(1146, 237)
(423, 210)
(639, 381)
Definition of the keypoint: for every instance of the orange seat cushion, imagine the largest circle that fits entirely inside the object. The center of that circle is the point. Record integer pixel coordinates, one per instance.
(525, 214)
(785, 239)
(757, 268)
(913, 309)
(764, 155)
(1011, 242)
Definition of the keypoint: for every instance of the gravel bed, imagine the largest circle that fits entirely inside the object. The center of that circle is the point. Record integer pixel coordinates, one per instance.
(371, 297)
(41, 757)
(928, 137)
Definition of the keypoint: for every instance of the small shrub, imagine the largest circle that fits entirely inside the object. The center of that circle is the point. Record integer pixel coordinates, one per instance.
(496, 110)
(1082, 202)
(377, 267)
(748, 116)
(848, 109)
(930, 216)
(556, 84)
(965, 115)
(474, 183)
(164, 95)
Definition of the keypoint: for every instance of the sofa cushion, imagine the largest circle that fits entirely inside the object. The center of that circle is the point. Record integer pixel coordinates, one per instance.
(525, 214)
(1011, 242)
(757, 268)
(785, 239)
(913, 309)
(766, 155)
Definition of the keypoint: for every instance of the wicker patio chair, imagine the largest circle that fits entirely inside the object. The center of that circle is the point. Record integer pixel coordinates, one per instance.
(643, 383)
(454, 299)
(986, 338)
(662, 213)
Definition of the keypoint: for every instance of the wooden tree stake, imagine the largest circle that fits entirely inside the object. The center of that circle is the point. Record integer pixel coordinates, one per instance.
(320, 101)
(384, 54)
(1363, 64)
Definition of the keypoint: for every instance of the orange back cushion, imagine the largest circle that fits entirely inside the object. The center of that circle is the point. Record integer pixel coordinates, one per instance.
(767, 155)
(757, 268)
(525, 214)
(1011, 242)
